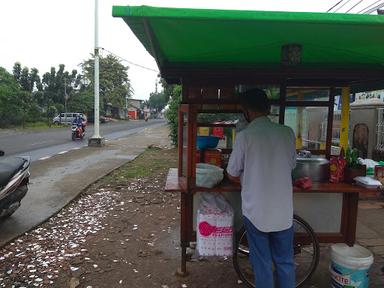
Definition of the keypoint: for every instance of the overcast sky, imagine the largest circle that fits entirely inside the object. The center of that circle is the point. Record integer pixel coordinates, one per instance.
(45, 33)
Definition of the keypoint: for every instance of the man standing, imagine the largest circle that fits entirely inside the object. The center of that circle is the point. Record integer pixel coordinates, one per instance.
(262, 161)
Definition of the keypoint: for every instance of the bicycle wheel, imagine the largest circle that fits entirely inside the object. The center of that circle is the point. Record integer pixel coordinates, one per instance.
(306, 250)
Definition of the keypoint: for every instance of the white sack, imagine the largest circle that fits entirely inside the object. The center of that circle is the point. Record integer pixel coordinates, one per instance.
(208, 175)
(214, 225)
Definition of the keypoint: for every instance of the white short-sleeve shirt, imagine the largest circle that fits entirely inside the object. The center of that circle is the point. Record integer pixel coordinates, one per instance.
(263, 157)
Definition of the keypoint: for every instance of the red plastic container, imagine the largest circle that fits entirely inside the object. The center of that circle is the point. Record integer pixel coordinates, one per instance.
(218, 132)
(379, 173)
(212, 156)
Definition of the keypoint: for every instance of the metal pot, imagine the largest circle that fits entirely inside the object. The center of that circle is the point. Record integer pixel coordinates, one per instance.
(315, 168)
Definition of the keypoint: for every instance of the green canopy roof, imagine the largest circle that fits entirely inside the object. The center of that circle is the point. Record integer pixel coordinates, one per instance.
(203, 38)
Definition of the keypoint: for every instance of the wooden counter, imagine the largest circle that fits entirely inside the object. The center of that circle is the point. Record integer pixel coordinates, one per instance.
(176, 184)
(349, 211)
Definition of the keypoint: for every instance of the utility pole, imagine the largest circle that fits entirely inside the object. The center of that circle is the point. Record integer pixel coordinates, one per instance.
(126, 107)
(96, 139)
(65, 96)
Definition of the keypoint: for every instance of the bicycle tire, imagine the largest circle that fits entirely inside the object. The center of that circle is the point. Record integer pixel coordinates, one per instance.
(242, 250)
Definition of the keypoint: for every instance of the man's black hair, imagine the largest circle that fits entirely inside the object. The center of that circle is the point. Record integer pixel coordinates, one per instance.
(255, 100)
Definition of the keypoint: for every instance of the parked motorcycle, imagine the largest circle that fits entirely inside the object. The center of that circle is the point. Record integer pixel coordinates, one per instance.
(14, 179)
(77, 132)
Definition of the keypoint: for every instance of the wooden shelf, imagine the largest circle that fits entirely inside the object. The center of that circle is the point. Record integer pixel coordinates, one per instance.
(219, 124)
(176, 184)
(224, 186)
(326, 187)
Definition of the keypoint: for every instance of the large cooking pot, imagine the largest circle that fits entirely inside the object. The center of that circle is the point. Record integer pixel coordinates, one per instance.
(315, 168)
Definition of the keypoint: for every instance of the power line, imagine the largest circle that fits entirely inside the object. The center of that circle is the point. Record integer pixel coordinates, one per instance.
(354, 6)
(130, 62)
(369, 6)
(374, 8)
(342, 6)
(335, 5)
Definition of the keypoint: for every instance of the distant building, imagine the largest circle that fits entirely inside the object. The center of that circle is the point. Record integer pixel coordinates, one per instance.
(136, 109)
(366, 124)
(370, 96)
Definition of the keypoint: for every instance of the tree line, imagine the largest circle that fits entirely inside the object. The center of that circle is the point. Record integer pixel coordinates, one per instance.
(25, 96)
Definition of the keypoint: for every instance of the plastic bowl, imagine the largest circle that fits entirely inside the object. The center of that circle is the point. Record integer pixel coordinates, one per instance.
(207, 142)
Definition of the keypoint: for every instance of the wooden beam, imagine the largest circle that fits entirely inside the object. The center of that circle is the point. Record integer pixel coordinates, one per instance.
(275, 75)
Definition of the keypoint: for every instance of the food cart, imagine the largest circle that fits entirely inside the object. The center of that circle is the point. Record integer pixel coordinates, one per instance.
(308, 58)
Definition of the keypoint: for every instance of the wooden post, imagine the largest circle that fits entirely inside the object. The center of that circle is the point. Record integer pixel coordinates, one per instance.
(299, 122)
(283, 93)
(180, 129)
(350, 202)
(344, 127)
(184, 241)
(328, 145)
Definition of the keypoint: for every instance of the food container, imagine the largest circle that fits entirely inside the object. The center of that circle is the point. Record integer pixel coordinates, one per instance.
(316, 168)
(207, 142)
(213, 156)
(379, 173)
(352, 172)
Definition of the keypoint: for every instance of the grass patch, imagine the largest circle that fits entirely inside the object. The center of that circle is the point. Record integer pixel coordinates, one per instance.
(35, 125)
(43, 125)
(151, 162)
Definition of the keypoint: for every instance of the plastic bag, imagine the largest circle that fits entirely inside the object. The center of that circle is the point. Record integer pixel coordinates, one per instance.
(208, 175)
(336, 169)
(214, 226)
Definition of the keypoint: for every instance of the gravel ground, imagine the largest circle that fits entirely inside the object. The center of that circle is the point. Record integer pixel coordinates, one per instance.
(121, 232)
(38, 257)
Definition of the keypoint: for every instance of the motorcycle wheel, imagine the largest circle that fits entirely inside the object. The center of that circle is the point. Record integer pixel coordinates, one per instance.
(7, 212)
(73, 136)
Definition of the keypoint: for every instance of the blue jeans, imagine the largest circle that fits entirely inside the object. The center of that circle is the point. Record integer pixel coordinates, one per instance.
(267, 248)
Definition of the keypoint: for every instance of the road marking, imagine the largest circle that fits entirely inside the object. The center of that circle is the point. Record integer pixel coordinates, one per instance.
(45, 158)
(59, 153)
(38, 143)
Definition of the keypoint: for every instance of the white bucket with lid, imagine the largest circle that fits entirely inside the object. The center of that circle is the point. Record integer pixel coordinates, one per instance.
(350, 266)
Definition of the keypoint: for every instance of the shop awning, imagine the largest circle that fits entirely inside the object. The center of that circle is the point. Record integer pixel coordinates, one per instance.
(183, 40)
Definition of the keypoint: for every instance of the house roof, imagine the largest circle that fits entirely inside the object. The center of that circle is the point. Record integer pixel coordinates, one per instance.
(182, 39)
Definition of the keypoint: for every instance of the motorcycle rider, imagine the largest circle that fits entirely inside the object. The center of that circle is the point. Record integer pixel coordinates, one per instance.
(79, 121)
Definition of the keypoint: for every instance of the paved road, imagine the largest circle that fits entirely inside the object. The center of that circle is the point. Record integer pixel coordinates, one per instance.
(43, 144)
(55, 181)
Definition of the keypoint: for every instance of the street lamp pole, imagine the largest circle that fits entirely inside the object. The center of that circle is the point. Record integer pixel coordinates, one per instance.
(126, 107)
(65, 96)
(96, 139)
